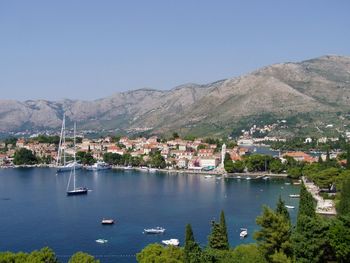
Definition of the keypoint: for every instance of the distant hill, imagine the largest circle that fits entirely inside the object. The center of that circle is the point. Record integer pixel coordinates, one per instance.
(309, 90)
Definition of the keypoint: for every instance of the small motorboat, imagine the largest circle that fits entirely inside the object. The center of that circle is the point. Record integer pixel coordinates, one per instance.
(248, 178)
(289, 206)
(243, 233)
(294, 196)
(101, 241)
(156, 230)
(208, 176)
(107, 221)
(266, 177)
(171, 242)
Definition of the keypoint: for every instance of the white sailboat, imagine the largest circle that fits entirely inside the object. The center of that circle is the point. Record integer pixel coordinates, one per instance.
(75, 190)
(61, 163)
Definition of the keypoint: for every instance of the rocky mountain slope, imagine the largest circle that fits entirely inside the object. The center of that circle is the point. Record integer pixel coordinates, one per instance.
(320, 85)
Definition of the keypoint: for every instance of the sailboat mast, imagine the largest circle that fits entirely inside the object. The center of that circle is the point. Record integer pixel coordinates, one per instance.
(75, 127)
(64, 140)
(59, 153)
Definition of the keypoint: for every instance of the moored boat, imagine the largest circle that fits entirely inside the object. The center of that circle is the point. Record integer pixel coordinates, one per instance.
(294, 196)
(101, 241)
(107, 221)
(171, 242)
(78, 191)
(289, 206)
(243, 233)
(99, 166)
(156, 230)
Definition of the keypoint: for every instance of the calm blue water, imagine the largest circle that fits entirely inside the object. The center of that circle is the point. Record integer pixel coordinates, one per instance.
(35, 211)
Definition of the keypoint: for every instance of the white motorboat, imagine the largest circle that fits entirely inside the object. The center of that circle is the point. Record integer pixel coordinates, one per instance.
(243, 233)
(248, 178)
(101, 241)
(99, 166)
(294, 196)
(152, 170)
(171, 242)
(107, 221)
(266, 177)
(129, 167)
(208, 176)
(156, 230)
(289, 206)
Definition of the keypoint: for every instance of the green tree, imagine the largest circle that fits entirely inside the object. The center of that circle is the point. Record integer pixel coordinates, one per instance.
(282, 210)
(228, 164)
(218, 238)
(238, 167)
(311, 242)
(112, 158)
(158, 254)
(85, 158)
(192, 251)
(157, 160)
(348, 157)
(81, 257)
(294, 172)
(248, 253)
(343, 206)
(24, 156)
(44, 255)
(340, 238)
(276, 166)
(274, 235)
(307, 204)
(175, 135)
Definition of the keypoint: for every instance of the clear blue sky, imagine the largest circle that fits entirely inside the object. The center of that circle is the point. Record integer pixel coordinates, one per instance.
(92, 49)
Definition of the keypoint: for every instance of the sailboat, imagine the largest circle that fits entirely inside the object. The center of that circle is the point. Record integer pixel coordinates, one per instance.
(76, 190)
(61, 164)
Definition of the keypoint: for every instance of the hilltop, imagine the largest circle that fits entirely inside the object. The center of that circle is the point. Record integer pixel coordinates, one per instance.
(306, 93)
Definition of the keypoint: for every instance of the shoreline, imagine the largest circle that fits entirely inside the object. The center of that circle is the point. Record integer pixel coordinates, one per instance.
(170, 171)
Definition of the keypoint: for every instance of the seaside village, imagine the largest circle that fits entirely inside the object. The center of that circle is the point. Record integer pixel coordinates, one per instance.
(177, 153)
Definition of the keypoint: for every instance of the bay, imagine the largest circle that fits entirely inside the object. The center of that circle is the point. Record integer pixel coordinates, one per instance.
(35, 211)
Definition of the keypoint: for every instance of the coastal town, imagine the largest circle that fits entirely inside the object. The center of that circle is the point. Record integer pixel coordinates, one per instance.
(199, 154)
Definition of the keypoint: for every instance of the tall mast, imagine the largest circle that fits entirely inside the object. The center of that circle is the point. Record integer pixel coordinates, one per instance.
(75, 127)
(64, 139)
(59, 153)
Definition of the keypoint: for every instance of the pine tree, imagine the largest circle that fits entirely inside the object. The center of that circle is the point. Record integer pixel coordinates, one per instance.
(224, 230)
(274, 235)
(192, 250)
(282, 210)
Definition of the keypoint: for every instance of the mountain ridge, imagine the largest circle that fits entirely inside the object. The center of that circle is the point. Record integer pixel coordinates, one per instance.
(318, 85)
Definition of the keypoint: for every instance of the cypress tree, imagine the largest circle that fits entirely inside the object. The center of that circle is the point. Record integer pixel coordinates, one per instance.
(307, 203)
(192, 250)
(348, 157)
(224, 230)
(320, 161)
(218, 238)
(282, 210)
(328, 158)
(344, 203)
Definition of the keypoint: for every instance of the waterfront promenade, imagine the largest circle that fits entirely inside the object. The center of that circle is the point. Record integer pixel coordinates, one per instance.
(324, 206)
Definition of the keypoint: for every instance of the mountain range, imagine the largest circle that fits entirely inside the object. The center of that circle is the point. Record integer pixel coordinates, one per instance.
(312, 87)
